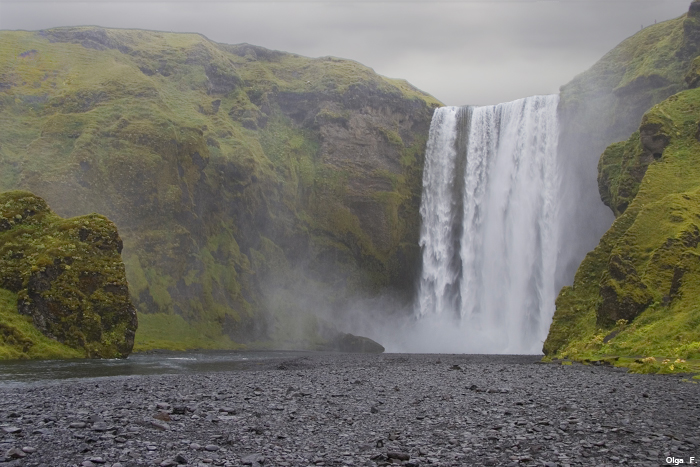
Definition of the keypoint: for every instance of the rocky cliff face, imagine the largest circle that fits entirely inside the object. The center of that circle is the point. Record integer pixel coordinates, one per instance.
(604, 105)
(237, 175)
(67, 277)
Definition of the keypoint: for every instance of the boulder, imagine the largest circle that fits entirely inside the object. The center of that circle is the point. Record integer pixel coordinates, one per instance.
(67, 275)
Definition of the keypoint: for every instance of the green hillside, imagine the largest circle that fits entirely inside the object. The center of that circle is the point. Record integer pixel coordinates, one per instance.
(638, 293)
(237, 176)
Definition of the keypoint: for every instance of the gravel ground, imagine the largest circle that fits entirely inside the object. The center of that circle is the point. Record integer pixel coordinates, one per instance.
(358, 410)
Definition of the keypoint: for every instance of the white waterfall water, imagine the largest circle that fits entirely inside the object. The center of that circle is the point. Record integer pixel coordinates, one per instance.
(489, 232)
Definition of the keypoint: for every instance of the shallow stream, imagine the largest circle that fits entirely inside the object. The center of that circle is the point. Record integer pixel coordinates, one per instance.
(19, 372)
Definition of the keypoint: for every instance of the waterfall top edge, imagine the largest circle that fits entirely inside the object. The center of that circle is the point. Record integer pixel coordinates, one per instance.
(513, 102)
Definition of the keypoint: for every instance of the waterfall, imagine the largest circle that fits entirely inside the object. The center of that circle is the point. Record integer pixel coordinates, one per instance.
(489, 226)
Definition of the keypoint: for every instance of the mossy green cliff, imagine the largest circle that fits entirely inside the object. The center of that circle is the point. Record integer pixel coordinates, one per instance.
(634, 297)
(64, 278)
(605, 104)
(637, 294)
(237, 175)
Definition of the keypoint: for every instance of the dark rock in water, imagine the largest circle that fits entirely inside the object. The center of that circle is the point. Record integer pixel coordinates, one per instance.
(355, 344)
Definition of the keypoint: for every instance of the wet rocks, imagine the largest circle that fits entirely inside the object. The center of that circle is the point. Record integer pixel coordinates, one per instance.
(495, 410)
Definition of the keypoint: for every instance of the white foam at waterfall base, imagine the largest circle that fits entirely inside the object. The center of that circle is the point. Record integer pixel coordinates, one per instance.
(489, 233)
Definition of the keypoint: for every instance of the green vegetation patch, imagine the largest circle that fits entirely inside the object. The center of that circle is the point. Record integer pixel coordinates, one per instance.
(20, 339)
(172, 332)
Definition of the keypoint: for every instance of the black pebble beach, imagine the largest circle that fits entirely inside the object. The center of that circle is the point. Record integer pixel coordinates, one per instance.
(358, 410)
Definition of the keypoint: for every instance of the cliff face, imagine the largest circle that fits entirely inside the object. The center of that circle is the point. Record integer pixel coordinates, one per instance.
(637, 292)
(605, 104)
(236, 175)
(67, 278)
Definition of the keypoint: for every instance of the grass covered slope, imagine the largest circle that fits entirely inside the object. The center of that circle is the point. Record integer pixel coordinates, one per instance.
(638, 293)
(237, 175)
(63, 289)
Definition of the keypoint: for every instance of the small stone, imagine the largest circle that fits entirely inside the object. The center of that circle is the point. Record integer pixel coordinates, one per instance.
(163, 416)
(101, 426)
(211, 447)
(87, 464)
(402, 456)
(374, 409)
(15, 453)
(98, 460)
(179, 410)
(168, 463)
(11, 430)
(29, 449)
(159, 425)
(181, 459)
(77, 425)
(195, 446)
(252, 459)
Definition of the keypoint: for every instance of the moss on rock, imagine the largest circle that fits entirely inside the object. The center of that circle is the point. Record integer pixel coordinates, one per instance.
(67, 276)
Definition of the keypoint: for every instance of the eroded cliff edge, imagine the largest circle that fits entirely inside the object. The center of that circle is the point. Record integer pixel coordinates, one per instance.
(63, 289)
(238, 176)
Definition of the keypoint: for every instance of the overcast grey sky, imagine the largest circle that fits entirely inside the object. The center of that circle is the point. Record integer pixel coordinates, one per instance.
(461, 52)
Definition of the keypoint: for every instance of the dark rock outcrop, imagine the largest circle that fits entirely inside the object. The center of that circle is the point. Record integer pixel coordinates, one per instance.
(350, 343)
(68, 276)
